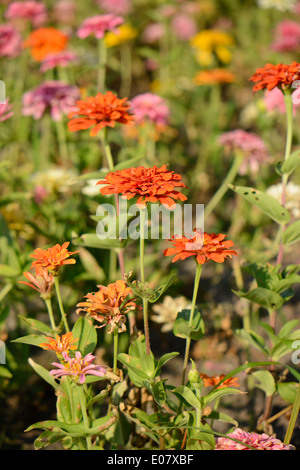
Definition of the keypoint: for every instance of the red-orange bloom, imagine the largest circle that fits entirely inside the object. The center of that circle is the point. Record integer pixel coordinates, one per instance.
(42, 282)
(109, 305)
(214, 76)
(60, 344)
(53, 258)
(100, 111)
(203, 246)
(148, 184)
(280, 75)
(45, 41)
(216, 379)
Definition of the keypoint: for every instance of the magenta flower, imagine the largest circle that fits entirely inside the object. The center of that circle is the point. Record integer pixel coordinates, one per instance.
(77, 367)
(56, 96)
(32, 11)
(151, 107)
(257, 441)
(10, 41)
(98, 25)
(250, 145)
(5, 110)
(287, 36)
(119, 7)
(60, 59)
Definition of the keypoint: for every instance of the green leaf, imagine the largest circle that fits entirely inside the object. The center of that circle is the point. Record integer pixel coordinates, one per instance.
(128, 163)
(266, 381)
(92, 241)
(163, 360)
(268, 204)
(44, 373)
(182, 329)
(288, 391)
(5, 373)
(159, 393)
(254, 339)
(8, 271)
(263, 297)
(37, 325)
(34, 340)
(85, 332)
(291, 164)
(219, 393)
(291, 234)
(189, 396)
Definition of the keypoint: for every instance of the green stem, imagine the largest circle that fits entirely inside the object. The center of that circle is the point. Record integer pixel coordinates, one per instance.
(198, 410)
(224, 187)
(293, 418)
(84, 414)
(116, 342)
(61, 307)
(142, 274)
(102, 66)
(62, 141)
(125, 70)
(188, 341)
(50, 313)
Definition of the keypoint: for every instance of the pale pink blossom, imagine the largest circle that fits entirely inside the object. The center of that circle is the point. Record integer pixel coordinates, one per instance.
(10, 41)
(287, 36)
(60, 59)
(184, 26)
(64, 11)
(33, 11)
(253, 439)
(151, 107)
(98, 25)
(274, 101)
(153, 32)
(118, 7)
(5, 110)
(53, 95)
(251, 146)
(78, 367)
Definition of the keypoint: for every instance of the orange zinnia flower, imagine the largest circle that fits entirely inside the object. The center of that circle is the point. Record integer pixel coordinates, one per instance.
(42, 282)
(203, 246)
(60, 344)
(109, 305)
(216, 379)
(99, 112)
(271, 76)
(45, 41)
(212, 77)
(149, 184)
(53, 258)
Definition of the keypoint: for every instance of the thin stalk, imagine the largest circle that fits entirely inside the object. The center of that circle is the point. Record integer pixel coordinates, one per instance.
(125, 70)
(115, 354)
(188, 341)
(198, 410)
(142, 274)
(224, 187)
(50, 313)
(102, 66)
(293, 418)
(85, 417)
(60, 303)
(62, 141)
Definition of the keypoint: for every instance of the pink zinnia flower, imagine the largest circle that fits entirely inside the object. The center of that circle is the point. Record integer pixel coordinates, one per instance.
(184, 26)
(57, 96)
(10, 41)
(153, 32)
(60, 59)
(287, 36)
(98, 25)
(151, 107)
(257, 441)
(64, 11)
(274, 101)
(250, 145)
(77, 367)
(5, 110)
(33, 11)
(119, 7)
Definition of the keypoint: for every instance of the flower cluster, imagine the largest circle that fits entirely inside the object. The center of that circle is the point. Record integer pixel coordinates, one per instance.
(77, 367)
(242, 440)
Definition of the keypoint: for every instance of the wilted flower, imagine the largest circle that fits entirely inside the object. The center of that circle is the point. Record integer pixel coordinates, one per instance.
(78, 367)
(53, 95)
(252, 148)
(150, 107)
(253, 439)
(202, 246)
(33, 11)
(109, 305)
(118, 7)
(271, 76)
(5, 110)
(212, 43)
(53, 258)
(148, 184)
(292, 196)
(59, 59)
(42, 281)
(123, 33)
(10, 41)
(103, 110)
(213, 380)
(281, 5)
(166, 312)
(60, 344)
(45, 41)
(98, 25)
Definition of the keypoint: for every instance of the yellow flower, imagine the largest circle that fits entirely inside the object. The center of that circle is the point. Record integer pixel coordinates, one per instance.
(124, 33)
(210, 42)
